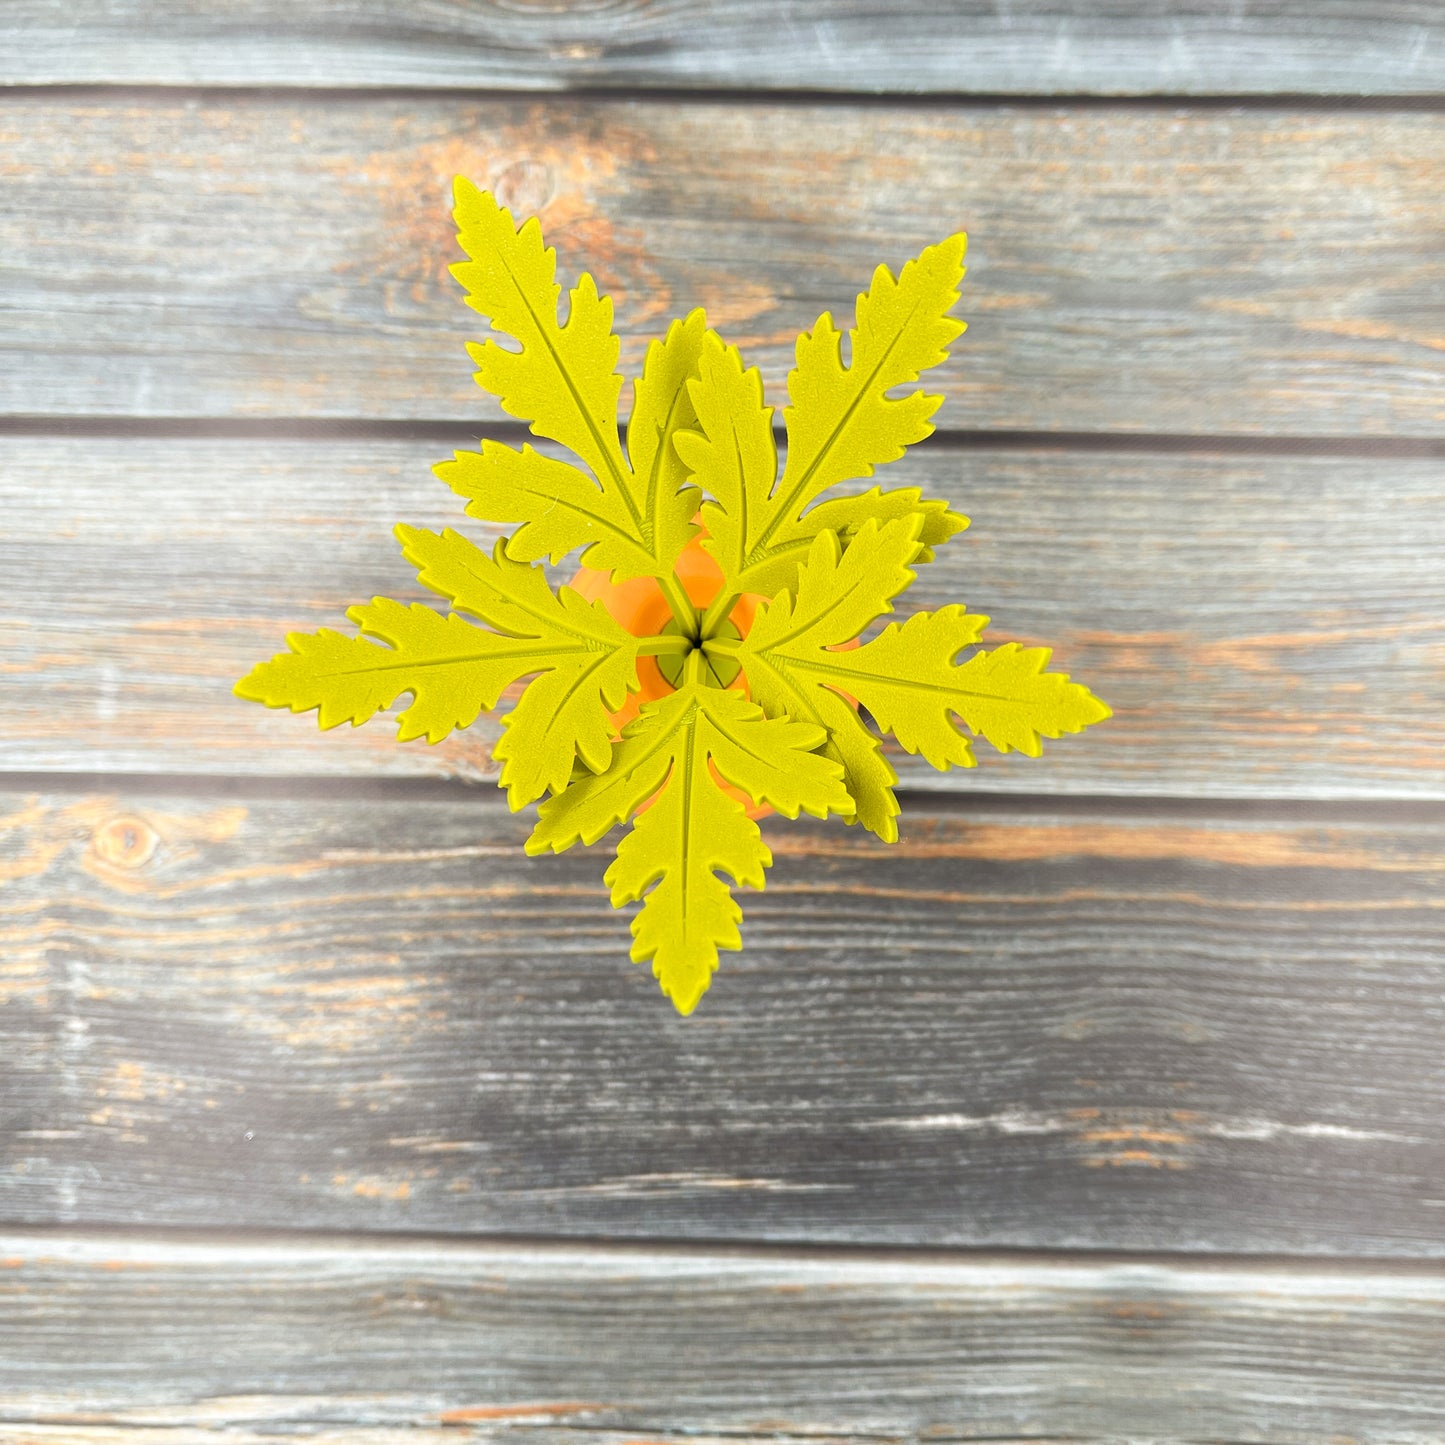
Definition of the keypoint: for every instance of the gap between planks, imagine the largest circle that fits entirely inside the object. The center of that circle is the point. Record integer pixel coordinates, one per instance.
(983, 804)
(643, 1343)
(1343, 47)
(1022, 1032)
(83, 1243)
(459, 432)
(1165, 100)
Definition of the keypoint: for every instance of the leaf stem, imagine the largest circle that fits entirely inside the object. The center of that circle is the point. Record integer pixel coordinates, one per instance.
(724, 646)
(692, 672)
(665, 644)
(718, 609)
(682, 608)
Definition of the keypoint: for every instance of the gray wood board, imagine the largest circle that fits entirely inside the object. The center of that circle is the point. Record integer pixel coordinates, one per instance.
(1020, 1027)
(1030, 48)
(1261, 625)
(1131, 269)
(572, 1344)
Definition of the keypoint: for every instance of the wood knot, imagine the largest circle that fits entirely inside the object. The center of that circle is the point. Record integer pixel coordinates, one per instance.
(126, 842)
(524, 188)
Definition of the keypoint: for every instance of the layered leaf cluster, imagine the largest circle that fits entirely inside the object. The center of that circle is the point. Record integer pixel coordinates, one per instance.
(629, 512)
(810, 695)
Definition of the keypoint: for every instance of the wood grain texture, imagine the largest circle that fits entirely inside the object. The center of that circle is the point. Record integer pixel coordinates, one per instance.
(1017, 1027)
(348, 1002)
(1130, 269)
(1037, 47)
(1261, 625)
(573, 1344)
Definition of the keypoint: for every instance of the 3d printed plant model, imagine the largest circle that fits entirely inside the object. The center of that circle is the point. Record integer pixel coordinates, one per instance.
(734, 674)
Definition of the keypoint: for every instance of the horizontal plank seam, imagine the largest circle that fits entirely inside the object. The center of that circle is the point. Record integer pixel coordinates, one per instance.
(462, 433)
(633, 91)
(100, 1238)
(563, 1428)
(557, 1427)
(484, 794)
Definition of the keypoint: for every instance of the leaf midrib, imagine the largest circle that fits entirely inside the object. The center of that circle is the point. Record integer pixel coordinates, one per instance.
(549, 624)
(582, 511)
(810, 664)
(613, 462)
(788, 504)
(462, 660)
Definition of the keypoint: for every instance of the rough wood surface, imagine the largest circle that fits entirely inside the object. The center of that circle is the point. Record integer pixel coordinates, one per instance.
(1038, 47)
(1080, 1027)
(348, 1002)
(610, 1344)
(1261, 625)
(1131, 269)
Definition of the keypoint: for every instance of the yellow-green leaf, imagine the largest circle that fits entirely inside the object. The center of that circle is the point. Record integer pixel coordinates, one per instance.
(906, 677)
(681, 745)
(560, 507)
(733, 456)
(452, 669)
(1004, 696)
(662, 407)
(867, 774)
(846, 515)
(563, 381)
(838, 595)
(841, 424)
(633, 513)
(587, 661)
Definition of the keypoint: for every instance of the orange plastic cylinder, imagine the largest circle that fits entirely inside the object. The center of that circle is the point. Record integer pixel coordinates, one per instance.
(639, 606)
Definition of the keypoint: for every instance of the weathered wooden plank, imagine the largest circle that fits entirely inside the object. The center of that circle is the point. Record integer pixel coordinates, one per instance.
(514, 1424)
(1018, 1027)
(1039, 47)
(1131, 269)
(1261, 625)
(738, 1345)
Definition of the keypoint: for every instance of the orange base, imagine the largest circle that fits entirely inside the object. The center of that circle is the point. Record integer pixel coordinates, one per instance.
(639, 606)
